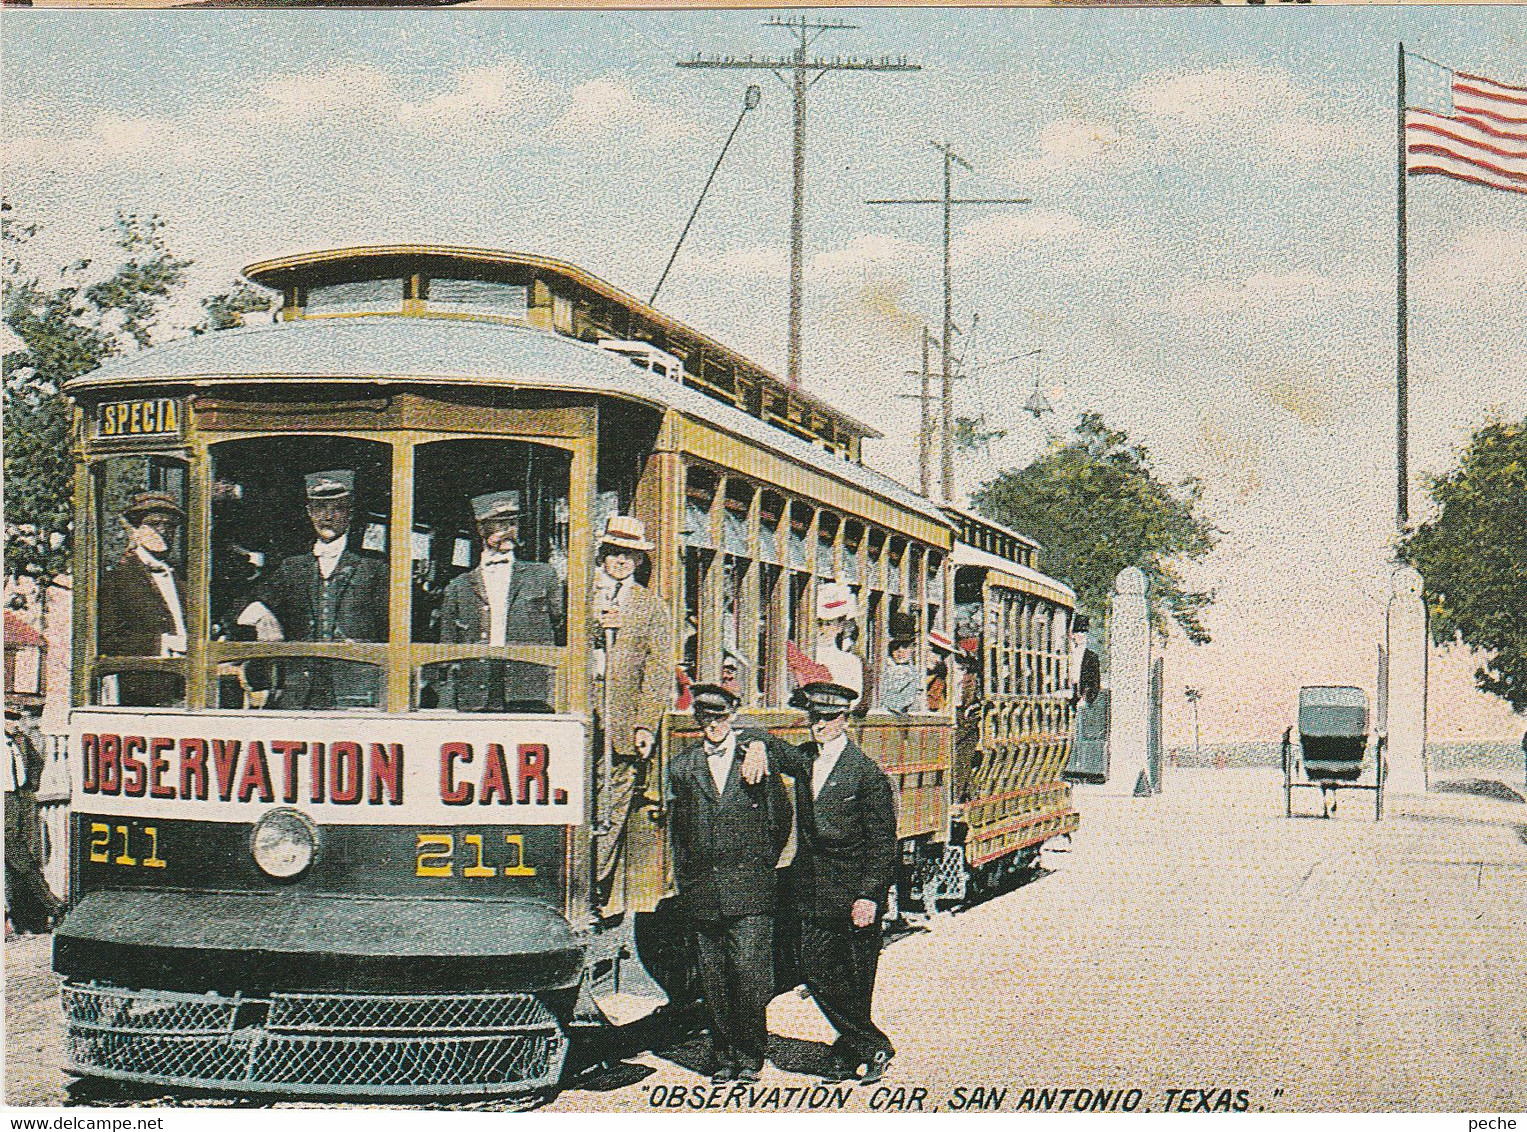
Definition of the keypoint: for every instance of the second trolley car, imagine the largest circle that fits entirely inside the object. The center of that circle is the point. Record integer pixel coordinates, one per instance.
(329, 838)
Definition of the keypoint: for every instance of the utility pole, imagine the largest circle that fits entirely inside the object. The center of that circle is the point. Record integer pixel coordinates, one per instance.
(1193, 695)
(948, 201)
(925, 432)
(804, 72)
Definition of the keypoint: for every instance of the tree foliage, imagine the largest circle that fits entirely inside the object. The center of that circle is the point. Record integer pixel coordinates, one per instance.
(1473, 557)
(61, 329)
(1095, 504)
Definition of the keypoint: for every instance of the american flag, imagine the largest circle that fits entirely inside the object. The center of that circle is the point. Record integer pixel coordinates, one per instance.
(1483, 141)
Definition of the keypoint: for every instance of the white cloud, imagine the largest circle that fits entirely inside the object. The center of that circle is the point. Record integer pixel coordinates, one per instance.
(1028, 229)
(315, 97)
(609, 106)
(865, 257)
(1263, 293)
(482, 96)
(1241, 107)
(109, 137)
(1071, 147)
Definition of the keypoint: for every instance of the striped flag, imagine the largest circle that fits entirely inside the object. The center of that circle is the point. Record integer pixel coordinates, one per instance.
(1484, 140)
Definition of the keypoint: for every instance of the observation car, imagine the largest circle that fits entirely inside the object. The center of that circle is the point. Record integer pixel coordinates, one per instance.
(303, 866)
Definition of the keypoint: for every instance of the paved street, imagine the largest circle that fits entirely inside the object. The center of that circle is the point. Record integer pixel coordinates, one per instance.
(1193, 941)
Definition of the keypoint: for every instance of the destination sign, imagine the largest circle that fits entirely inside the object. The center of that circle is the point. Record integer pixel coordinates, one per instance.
(220, 766)
(154, 416)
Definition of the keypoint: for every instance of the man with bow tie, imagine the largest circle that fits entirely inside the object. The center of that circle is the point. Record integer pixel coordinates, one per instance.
(504, 600)
(328, 594)
(140, 609)
(727, 838)
(845, 860)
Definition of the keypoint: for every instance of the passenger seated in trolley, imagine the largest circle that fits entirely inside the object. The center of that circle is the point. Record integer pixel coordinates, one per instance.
(836, 610)
(503, 600)
(331, 593)
(141, 605)
(900, 680)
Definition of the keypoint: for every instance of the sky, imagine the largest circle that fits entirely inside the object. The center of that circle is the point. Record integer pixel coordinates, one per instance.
(1208, 259)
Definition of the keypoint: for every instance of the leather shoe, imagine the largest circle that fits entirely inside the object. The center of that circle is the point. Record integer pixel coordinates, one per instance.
(878, 1064)
(724, 1071)
(837, 1069)
(748, 1073)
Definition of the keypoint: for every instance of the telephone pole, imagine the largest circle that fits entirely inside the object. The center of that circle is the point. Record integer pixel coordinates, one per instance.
(804, 72)
(925, 432)
(948, 201)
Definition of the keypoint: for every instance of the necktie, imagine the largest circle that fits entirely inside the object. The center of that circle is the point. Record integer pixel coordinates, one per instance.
(497, 559)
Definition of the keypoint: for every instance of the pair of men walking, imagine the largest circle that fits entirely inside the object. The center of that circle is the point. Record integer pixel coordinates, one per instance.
(731, 820)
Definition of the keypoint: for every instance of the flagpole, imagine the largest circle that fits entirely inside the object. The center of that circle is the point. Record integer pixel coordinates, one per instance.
(1402, 367)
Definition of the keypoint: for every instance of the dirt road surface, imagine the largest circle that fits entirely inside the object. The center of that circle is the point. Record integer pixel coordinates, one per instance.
(1196, 941)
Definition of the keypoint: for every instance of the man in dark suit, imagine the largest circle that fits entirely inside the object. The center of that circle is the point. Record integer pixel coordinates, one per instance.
(502, 601)
(727, 838)
(329, 594)
(140, 609)
(845, 859)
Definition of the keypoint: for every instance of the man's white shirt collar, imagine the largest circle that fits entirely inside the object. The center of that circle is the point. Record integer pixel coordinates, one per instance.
(827, 758)
(721, 760)
(172, 643)
(328, 553)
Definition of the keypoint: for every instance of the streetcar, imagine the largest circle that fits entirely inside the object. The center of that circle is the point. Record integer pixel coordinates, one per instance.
(308, 862)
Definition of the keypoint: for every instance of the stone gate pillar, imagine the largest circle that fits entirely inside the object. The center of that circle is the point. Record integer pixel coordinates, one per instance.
(1129, 667)
(1405, 684)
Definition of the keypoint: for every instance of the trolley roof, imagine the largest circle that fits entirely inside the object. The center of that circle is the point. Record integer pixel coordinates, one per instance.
(593, 300)
(387, 350)
(1013, 574)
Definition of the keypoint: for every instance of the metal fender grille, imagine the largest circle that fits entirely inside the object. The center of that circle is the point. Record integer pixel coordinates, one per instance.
(316, 1044)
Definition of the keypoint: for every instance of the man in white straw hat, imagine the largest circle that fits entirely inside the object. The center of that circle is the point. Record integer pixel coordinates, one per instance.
(633, 634)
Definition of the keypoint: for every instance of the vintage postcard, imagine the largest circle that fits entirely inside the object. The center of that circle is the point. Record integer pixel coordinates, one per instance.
(850, 560)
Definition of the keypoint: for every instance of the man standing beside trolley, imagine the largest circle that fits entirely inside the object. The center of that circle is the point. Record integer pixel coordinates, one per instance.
(845, 859)
(632, 632)
(728, 834)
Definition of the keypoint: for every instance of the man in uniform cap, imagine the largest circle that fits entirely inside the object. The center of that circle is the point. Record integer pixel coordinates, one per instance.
(632, 631)
(845, 859)
(727, 837)
(504, 600)
(330, 593)
(140, 610)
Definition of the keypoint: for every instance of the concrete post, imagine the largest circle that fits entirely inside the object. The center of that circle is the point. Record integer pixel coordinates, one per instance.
(1129, 667)
(1405, 684)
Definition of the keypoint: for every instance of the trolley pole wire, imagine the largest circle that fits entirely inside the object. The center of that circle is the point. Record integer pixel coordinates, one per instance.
(749, 100)
(804, 71)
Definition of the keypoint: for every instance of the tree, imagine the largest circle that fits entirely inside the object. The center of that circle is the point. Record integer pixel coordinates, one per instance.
(1473, 557)
(1096, 506)
(61, 330)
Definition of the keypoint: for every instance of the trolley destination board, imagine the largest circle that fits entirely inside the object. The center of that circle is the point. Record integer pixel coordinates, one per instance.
(344, 770)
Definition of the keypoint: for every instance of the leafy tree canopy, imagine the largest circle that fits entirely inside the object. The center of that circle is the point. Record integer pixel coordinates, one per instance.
(63, 327)
(1473, 557)
(1094, 502)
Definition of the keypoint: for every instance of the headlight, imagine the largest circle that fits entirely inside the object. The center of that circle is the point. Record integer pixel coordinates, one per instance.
(284, 843)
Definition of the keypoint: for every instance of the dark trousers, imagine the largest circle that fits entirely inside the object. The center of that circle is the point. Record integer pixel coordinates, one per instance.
(840, 961)
(737, 976)
(27, 895)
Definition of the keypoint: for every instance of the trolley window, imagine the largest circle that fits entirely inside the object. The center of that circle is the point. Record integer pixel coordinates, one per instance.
(299, 556)
(142, 607)
(490, 568)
